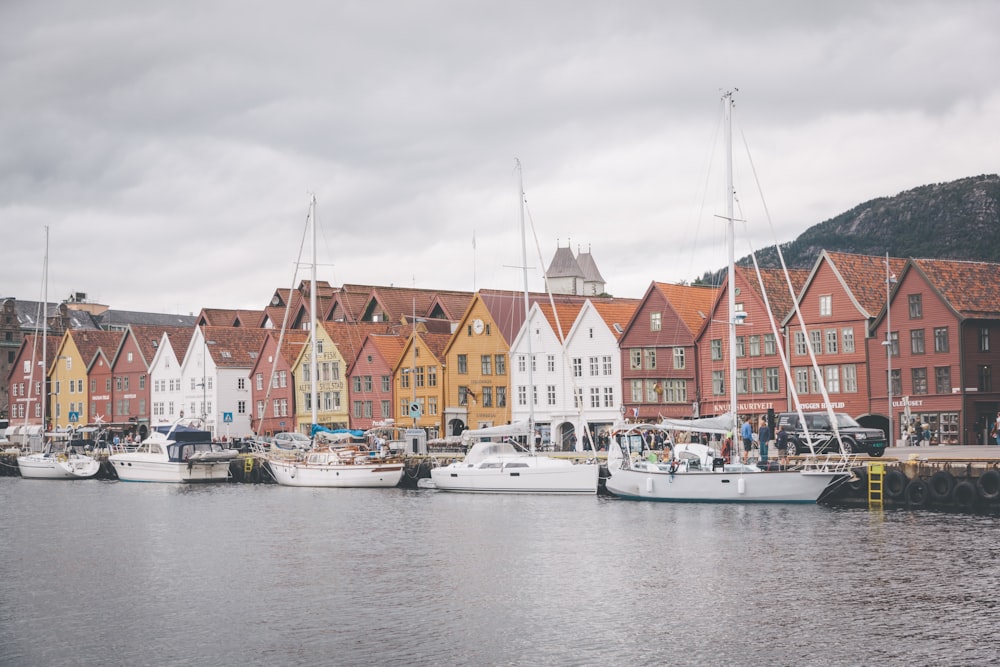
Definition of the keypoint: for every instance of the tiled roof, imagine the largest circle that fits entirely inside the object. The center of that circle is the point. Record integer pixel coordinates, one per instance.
(234, 347)
(776, 287)
(390, 346)
(972, 289)
(507, 308)
(88, 343)
(148, 337)
(567, 314)
(864, 277)
(692, 303)
(619, 311)
(435, 343)
(122, 318)
(180, 339)
(350, 336)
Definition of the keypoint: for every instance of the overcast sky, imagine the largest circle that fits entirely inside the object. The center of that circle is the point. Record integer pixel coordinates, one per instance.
(170, 147)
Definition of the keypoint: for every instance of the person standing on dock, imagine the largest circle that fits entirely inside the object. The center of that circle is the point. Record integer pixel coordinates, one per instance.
(746, 433)
(781, 442)
(763, 438)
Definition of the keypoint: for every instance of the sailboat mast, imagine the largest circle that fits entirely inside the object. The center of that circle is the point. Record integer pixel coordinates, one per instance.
(313, 371)
(731, 276)
(527, 307)
(45, 336)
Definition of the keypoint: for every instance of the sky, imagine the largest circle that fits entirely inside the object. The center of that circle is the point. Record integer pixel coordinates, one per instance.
(171, 149)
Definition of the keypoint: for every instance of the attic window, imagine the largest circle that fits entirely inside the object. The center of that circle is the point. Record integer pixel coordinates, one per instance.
(618, 328)
(226, 354)
(253, 355)
(156, 343)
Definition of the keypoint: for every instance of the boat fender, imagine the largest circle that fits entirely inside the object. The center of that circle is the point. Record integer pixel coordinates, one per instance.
(964, 494)
(989, 484)
(859, 483)
(255, 474)
(917, 493)
(894, 484)
(649, 485)
(941, 484)
(741, 486)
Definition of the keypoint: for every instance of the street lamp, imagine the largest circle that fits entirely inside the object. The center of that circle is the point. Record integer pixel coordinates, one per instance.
(889, 280)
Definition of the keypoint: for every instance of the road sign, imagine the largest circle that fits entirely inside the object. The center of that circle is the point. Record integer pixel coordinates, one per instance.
(74, 416)
(415, 410)
(227, 417)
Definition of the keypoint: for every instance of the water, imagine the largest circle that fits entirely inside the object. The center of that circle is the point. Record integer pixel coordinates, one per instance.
(110, 573)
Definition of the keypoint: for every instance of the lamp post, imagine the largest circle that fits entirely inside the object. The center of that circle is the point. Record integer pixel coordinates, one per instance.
(204, 378)
(889, 279)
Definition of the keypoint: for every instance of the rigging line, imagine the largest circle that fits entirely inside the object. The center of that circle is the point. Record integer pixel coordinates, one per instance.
(798, 313)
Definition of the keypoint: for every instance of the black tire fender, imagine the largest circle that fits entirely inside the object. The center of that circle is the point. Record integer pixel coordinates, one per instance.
(917, 493)
(964, 494)
(988, 484)
(894, 484)
(860, 483)
(941, 484)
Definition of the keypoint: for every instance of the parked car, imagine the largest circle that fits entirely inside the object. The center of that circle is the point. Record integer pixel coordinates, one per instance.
(291, 440)
(857, 439)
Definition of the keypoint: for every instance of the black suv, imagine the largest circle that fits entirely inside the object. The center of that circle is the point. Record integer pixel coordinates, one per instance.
(856, 438)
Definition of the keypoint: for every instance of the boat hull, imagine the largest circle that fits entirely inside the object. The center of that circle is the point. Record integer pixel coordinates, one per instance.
(722, 487)
(299, 473)
(39, 466)
(130, 468)
(569, 479)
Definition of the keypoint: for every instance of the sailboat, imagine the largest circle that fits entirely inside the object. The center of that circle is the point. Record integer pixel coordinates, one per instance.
(502, 466)
(58, 458)
(696, 473)
(332, 464)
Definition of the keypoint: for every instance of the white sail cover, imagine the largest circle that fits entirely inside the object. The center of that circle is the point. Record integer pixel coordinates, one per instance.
(719, 424)
(504, 430)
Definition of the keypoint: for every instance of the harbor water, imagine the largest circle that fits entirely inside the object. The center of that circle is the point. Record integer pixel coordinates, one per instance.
(111, 573)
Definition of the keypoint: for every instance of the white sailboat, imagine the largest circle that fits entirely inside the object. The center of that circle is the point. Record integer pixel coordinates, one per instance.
(696, 473)
(503, 467)
(332, 465)
(57, 460)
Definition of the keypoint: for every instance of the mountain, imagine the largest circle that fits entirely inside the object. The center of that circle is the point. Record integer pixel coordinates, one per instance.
(956, 220)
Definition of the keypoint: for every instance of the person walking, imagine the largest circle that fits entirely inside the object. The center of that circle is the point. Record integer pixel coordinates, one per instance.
(746, 433)
(781, 442)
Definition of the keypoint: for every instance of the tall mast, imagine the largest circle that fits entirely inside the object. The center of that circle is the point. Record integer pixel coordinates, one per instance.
(527, 308)
(45, 337)
(313, 371)
(730, 244)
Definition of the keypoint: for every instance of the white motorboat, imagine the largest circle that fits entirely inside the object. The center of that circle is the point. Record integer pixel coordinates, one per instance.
(501, 466)
(58, 460)
(696, 474)
(178, 456)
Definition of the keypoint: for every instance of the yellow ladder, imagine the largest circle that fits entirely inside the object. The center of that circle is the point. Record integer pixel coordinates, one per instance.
(876, 473)
(248, 465)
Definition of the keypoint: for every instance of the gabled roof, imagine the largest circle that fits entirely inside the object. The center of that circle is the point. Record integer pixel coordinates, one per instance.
(233, 347)
(863, 276)
(147, 338)
(589, 267)
(564, 265)
(692, 303)
(27, 345)
(567, 313)
(389, 346)
(180, 340)
(28, 313)
(350, 336)
(617, 312)
(971, 289)
(120, 319)
(781, 301)
(89, 343)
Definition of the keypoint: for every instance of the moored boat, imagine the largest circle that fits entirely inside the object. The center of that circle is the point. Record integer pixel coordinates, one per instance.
(58, 460)
(182, 455)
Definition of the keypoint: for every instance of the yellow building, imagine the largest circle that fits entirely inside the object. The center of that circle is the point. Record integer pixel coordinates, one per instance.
(418, 378)
(80, 377)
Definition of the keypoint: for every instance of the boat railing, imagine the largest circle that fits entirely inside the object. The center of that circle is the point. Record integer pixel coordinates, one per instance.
(831, 462)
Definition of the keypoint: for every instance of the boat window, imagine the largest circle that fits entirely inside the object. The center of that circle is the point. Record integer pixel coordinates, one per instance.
(490, 464)
(517, 465)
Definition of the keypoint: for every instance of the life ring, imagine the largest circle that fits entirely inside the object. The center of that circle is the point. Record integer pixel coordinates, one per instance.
(860, 482)
(917, 493)
(941, 484)
(894, 484)
(964, 494)
(988, 484)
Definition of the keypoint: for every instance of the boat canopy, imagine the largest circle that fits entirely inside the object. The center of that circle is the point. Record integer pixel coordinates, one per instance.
(487, 449)
(503, 431)
(720, 424)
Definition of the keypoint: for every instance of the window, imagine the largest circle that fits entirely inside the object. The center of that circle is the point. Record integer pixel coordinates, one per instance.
(833, 379)
(825, 306)
(636, 386)
(917, 341)
(241, 407)
(241, 383)
(849, 373)
(501, 364)
(896, 379)
(679, 360)
(800, 344)
(635, 359)
(595, 367)
(740, 347)
(652, 396)
(650, 354)
(655, 321)
(486, 361)
(501, 397)
(386, 409)
(919, 377)
(577, 367)
(522, 363)
(754, 346)
(368, 409)
(387, 384)
(831, 341)
(675, 391)
(487, 397)
(432, 403)
(941, 339)
(463, 364)
(550, 363)
(432, 375)
(847, 338)
(595, 397)
(816, 340)
(609, 397)
(757, 380)
(916, 306)
(522, 395)
(368, 383)
(942, 380)
(550, 392)
(984, 339)
(985, 378)
(772, 383)
(716, 349)
(606, 365)
(404, 380)
(259, 381)
(742, 384)
(463, 395)
(770, 346)
(894, 343)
